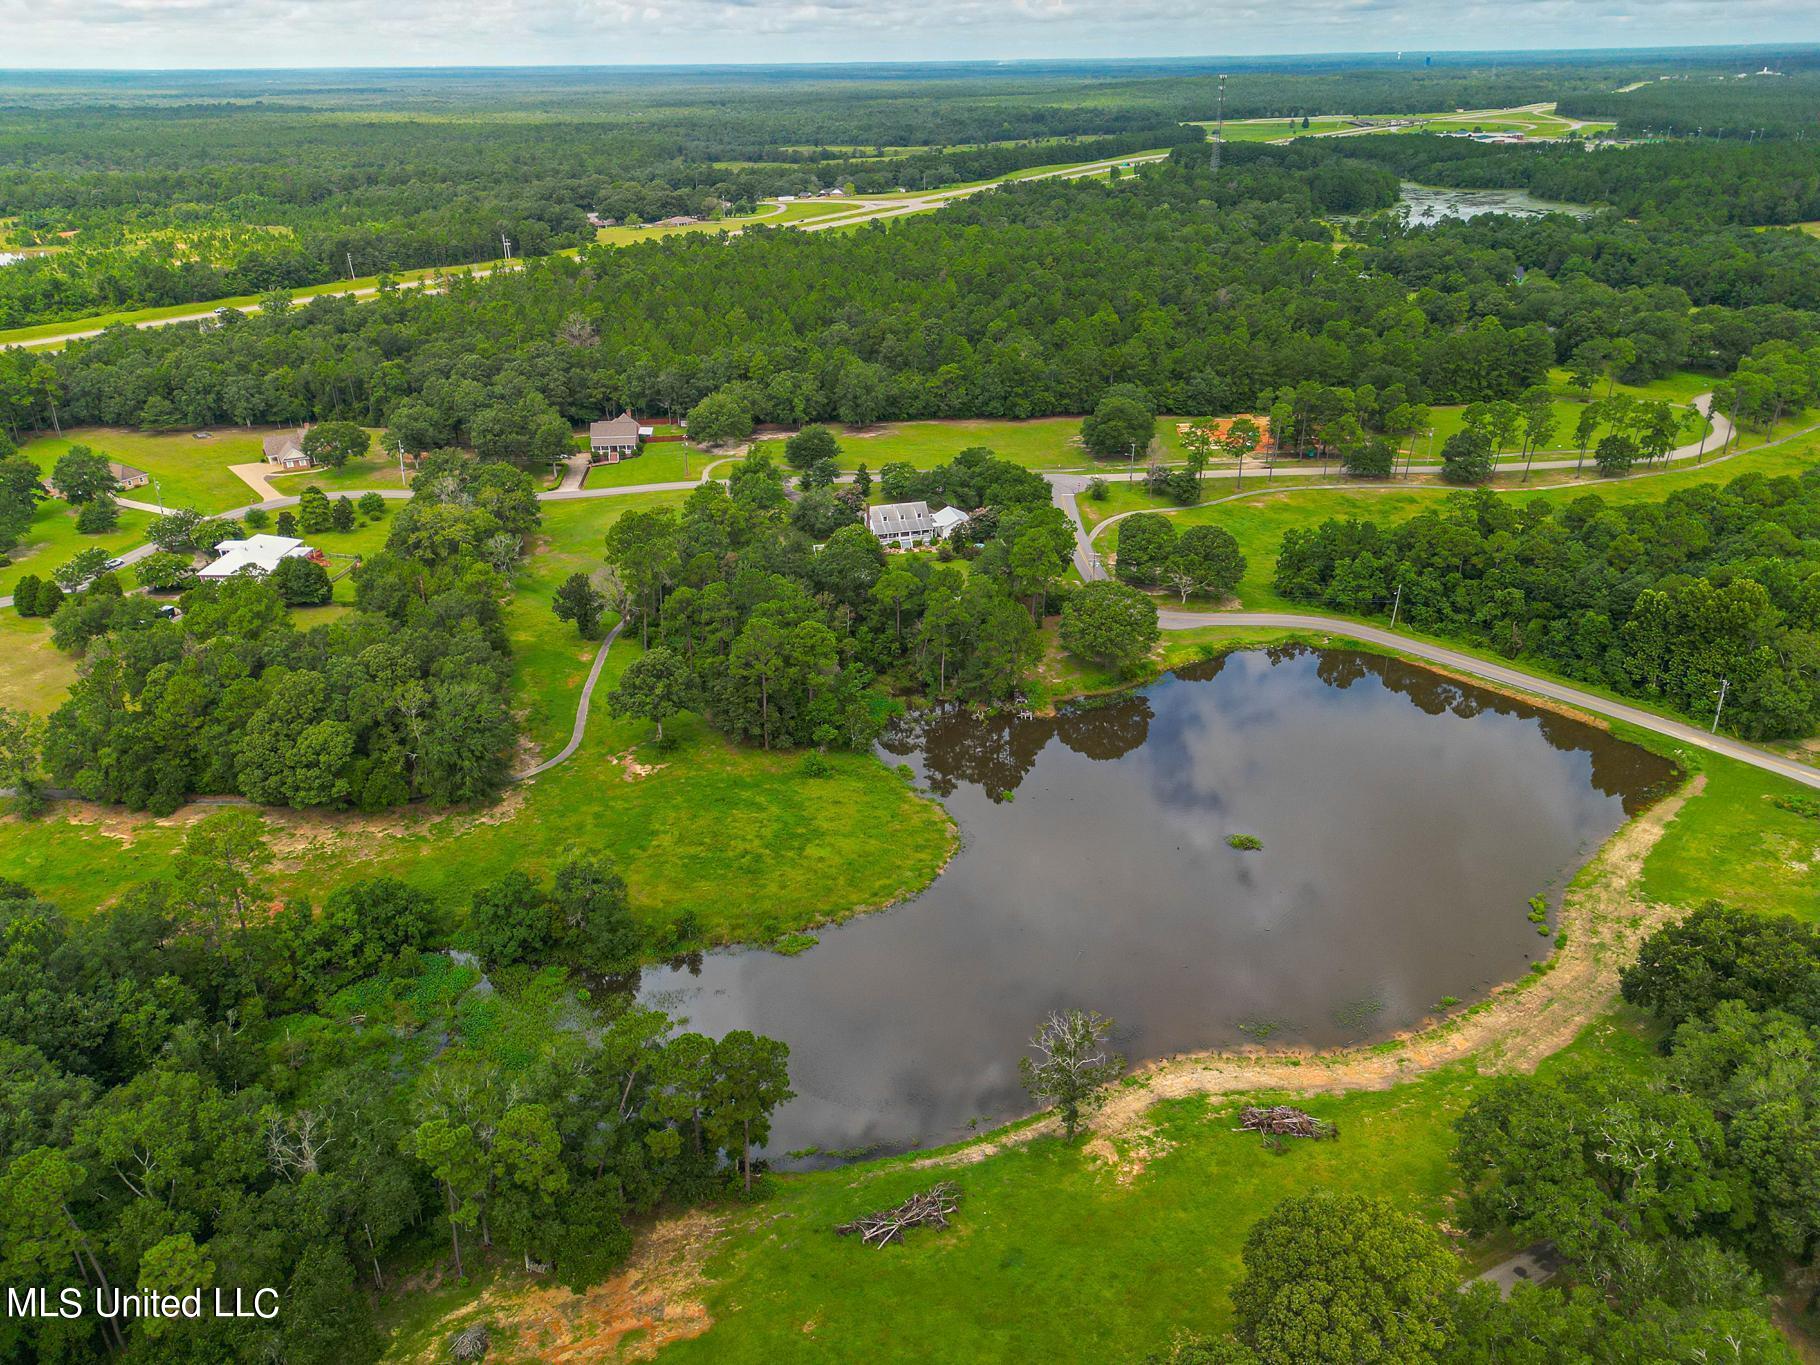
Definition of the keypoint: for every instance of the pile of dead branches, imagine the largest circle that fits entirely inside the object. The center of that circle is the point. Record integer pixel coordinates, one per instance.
(1279, 1121)
(930, 1208)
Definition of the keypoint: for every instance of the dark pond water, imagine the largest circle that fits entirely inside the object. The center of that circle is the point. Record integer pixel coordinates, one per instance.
(1406, 819)
(1423, 204)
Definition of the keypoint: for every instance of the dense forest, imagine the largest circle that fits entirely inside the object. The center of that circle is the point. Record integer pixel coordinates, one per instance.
(1716, 584)
(996, 306)
(200, 1088)
(253, 182)
(778, 639)
(1739, 103)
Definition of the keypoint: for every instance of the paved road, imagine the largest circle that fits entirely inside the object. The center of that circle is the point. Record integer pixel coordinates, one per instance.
(1533, 1265)
(1064, 489)
(858, 211)
(1513, 678)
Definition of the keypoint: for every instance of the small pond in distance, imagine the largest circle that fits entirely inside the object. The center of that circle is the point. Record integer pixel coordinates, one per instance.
(1424, 204)
(1406, 820)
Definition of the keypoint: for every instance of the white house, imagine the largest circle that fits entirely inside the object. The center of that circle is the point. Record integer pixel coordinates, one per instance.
(946, 519)
(256, 556)
(899, 525)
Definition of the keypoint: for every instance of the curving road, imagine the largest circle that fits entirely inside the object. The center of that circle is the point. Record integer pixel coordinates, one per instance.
(1504, 676)
(581, 710)
(1064, 488)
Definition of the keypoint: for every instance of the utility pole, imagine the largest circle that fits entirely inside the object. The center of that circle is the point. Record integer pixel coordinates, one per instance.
(158, 492)
(1396, 607)
(506, 244)
(1219, 131)
(350, 265)
(1724, 686)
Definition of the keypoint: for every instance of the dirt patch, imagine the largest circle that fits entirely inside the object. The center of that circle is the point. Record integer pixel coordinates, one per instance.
(654, 1301)
(1513, 1029)
(633, 769)
(1129, 1156)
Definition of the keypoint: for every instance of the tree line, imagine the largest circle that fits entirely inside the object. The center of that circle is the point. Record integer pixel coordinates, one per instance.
(1715, 586)
(1227, 292)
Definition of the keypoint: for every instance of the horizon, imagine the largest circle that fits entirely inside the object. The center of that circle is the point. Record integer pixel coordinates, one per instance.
(235, 36)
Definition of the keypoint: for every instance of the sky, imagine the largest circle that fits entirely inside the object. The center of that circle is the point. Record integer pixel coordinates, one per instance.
(302, 33)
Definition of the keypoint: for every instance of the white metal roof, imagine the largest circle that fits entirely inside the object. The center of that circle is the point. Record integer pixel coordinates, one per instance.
(258, 555)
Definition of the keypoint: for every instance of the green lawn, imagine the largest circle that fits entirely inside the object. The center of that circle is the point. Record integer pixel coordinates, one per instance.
(1732, 844)
(667, 462)
(33, 675)
(1041, 443)
(375, 471)
(191, 471)
(550, 659)
(52, 539)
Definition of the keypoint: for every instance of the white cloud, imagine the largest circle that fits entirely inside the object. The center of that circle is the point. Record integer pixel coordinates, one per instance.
(290, 33)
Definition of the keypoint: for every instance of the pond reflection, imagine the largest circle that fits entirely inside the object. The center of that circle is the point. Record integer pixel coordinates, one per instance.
(1406, 818)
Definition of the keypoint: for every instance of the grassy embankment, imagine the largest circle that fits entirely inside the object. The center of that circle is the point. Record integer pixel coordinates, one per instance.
(686, 823)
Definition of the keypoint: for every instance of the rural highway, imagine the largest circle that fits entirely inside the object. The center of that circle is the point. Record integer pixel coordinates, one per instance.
(1512, 678)
(855, 212)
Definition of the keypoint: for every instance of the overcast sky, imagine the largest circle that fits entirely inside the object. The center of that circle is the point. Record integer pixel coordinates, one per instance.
(290, 33)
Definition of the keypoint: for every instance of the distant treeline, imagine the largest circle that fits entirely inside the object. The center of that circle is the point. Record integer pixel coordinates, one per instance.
(1730, 105)
(1682, 182)
(1001, 305)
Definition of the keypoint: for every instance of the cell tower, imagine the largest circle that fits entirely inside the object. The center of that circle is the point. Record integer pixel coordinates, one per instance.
(1219, 130)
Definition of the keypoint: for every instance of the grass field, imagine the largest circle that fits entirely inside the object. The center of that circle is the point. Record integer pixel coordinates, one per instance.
(33, 675)
(375, 471)
(668, 462)
(1041, 443)
(52, 539)
(191, 469)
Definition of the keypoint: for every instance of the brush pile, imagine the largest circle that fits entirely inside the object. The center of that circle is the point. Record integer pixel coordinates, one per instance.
(931, 1208)
(1278, 1121)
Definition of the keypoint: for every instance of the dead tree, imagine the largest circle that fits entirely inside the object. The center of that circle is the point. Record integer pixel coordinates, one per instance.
(929, 1208)
(1278, 1121)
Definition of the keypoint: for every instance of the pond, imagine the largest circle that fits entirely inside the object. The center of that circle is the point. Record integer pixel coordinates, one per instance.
(1406, 819)
(1426, 204)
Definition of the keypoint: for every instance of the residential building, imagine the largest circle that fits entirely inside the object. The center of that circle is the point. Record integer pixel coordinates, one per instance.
(900, 525)
(285, 449)
(945, 519)
(256, 556)
(617, 438)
